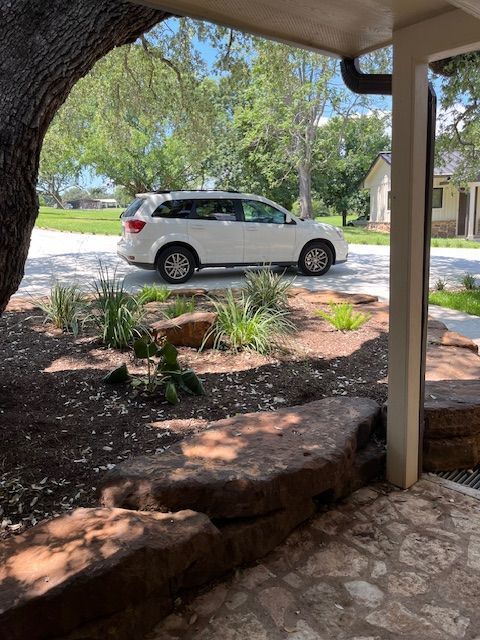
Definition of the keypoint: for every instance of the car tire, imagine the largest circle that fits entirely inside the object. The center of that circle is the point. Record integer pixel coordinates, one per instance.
(176, 265)
(316, 259)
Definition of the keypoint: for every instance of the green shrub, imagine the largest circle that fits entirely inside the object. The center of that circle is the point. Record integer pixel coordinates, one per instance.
(267, 289)
(469, 282)
(63, 307)
(180, 306)
(319, 208)
(116, 314)
(153, 293)
(343, 317)
(163, 370)
(440, 284)
(242, 326)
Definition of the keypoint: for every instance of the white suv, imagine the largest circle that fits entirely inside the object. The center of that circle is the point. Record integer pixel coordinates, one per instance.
(176, 232)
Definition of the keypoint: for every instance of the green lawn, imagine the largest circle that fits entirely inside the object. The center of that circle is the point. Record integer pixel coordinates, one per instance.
(103, 221)
(466, 301)
(359, 235)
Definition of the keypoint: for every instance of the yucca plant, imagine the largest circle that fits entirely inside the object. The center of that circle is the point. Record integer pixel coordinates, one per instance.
(64, 307)
(180, 306)
(343, 317)
(242, 326)
(267, 289)
(115, 313)
(153, 293)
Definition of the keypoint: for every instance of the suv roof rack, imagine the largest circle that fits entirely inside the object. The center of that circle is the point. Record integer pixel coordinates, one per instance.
(201, 190)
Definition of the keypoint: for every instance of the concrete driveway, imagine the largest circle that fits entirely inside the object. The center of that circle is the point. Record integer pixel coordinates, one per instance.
(72, 257)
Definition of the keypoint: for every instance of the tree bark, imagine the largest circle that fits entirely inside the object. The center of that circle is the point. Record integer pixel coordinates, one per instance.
(45, 48)
(305, 190)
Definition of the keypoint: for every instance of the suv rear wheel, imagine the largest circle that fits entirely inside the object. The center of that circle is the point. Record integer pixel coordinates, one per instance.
(315, 259)
(176, 265)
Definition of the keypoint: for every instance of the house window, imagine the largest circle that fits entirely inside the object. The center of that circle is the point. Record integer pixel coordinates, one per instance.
(437, 198)
(389, 201)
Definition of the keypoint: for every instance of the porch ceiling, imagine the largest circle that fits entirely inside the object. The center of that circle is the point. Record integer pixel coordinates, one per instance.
(339, 27)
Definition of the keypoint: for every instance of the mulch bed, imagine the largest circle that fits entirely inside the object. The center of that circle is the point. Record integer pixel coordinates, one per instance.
(61, 428)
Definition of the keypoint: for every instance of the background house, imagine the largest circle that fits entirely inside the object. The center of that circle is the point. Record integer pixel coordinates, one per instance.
(451, 205)
(92, 203)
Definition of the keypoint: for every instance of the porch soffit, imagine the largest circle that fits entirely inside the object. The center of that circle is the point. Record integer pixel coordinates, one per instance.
(338, 27)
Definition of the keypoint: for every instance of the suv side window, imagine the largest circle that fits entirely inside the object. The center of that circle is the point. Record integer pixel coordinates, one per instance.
(211, 209)
(256, 211)
(173, 209)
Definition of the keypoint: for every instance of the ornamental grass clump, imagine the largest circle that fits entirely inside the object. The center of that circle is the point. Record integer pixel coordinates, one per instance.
(469, 282)
(267, 289)
(153, 293)
(241, 325)
(64, 307)
(343, 317)
(116, 314)
(179, 306)
(440, 284)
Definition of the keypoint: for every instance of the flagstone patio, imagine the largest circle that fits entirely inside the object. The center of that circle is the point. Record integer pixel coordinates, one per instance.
(383, 564)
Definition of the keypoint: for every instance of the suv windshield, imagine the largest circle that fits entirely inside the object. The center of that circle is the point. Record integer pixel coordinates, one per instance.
(132, 208)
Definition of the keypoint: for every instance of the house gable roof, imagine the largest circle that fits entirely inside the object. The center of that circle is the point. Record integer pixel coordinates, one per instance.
(447, 166)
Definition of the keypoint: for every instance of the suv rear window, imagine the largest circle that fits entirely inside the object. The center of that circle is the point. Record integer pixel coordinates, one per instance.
(173, 209)
(133, 207)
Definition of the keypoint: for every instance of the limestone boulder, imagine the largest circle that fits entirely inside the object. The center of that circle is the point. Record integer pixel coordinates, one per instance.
(97, 573)
(452, 425)
(186, 292)
(187, 330)
(252, 464)
(327, 296)
(445, 338)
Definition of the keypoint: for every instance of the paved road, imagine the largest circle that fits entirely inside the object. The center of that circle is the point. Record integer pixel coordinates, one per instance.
(75, 257)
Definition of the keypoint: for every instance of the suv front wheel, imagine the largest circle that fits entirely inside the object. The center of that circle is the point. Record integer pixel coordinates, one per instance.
(315, 259)
(176, 265)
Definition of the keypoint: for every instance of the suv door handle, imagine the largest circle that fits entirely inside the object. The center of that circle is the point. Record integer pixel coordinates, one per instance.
(196, 226)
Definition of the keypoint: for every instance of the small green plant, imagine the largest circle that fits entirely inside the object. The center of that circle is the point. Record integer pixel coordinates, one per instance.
(153, 293)
(242, 326)
(440, 284)
(63, 307)
(343, 317)
(180, 306)
(163, 370)
(115, 313)
(267, 289)
(469, 282)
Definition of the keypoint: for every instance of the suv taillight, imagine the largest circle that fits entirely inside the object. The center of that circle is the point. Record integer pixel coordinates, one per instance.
(134, 226)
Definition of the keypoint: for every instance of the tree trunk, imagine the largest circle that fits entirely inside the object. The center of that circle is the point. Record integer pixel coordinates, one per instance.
(305, 190)
(45, 47)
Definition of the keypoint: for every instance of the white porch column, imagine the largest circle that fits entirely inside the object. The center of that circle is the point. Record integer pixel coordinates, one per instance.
(471, 211)
(414, 47)
(409, 145)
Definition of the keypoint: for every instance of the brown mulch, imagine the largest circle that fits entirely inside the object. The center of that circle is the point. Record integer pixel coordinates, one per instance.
(61, 428)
